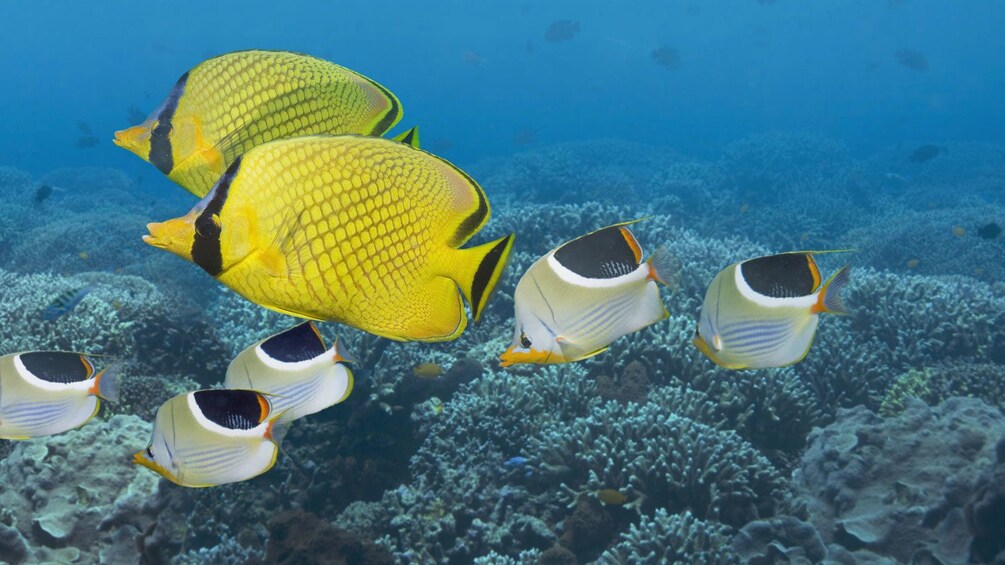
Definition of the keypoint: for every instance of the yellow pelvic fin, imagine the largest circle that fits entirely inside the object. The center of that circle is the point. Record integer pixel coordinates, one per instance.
(409, 136)
(477, 270)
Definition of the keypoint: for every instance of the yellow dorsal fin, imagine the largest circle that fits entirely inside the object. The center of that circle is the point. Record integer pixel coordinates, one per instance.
(409, 137)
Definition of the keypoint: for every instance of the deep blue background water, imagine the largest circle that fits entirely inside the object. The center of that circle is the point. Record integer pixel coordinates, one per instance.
(827, 67)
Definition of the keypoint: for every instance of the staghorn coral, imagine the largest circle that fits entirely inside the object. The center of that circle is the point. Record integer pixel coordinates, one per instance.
(461, 501)
(672, 538)
(919, 319)
(774, 410)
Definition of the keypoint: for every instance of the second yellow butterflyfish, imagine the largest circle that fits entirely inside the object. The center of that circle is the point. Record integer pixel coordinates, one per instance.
(360, 230)
(228, 104)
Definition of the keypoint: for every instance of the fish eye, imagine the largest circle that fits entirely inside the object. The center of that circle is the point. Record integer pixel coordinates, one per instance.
(525, 341)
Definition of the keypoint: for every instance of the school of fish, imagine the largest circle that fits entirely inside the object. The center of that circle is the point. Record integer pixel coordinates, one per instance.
(307, 210)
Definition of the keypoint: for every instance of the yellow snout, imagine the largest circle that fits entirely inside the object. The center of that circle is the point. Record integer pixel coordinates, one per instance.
(176, 235)
(135, 139)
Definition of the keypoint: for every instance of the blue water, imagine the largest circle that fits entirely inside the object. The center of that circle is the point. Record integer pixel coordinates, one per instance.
(745, 68)
(779, 125)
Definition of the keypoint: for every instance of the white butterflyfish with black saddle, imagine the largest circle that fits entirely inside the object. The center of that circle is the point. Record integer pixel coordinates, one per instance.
(580, 297)
(294, 368)
(44, 393)
(763, 312)
(213, 437)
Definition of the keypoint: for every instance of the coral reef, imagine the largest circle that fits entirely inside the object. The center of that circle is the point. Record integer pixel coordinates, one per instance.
(664, 460)
(123, 317)
(931, 242)
(65, 503)
(606, 171)
(899, 487)
(647, 453)
(300, 537)
(672, 538)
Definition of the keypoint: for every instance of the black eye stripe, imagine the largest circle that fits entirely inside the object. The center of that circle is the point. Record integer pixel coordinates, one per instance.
(161, 155)
(206, 250)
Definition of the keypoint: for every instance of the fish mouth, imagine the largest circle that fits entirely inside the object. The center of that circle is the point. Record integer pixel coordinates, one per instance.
(702, 345)
(174, 235)
(152, 238)
(131, 138)
(140, 458)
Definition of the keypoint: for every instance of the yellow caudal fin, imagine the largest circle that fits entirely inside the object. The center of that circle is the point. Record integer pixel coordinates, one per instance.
(477, 270)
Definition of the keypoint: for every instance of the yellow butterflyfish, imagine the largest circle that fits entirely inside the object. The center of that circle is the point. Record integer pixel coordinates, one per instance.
(228, 104)
(365, 231)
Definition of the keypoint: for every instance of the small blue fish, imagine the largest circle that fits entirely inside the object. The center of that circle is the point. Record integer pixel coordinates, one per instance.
(65, 302)
(515, 462)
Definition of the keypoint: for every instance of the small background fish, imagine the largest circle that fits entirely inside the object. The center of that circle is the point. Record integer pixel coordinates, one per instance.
(65, 303)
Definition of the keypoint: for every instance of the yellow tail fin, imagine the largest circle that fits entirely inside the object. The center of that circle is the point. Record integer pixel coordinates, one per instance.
(477, 270)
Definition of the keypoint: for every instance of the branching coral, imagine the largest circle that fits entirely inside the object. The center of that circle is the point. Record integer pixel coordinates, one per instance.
(669, 460)
(672, 538)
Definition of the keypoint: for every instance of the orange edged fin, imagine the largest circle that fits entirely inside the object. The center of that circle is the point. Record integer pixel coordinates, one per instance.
(276, 430)
(663, 265)
(341, 356)
(317, 333)
(829, 299)
(633, 243)
(513, 357)
(264, 407)
(106, 384)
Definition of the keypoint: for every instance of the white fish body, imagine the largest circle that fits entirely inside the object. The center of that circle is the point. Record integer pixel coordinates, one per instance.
(570, 311)
(299, 378)
(32, 407)
(191, 450)
(741, 328)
